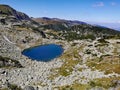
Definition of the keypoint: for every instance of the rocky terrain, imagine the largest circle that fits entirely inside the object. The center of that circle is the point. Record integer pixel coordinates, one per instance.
(73, 30)
(86, 64)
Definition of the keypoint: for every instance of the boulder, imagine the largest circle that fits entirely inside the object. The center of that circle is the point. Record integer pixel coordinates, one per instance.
(29, 88)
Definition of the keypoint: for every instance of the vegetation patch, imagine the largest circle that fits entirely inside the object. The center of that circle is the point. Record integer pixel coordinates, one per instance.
(75, 86)
(102, 41)
(12, 87)
(109, 64)
(99, 83)
(70, 36)
(116, 49)
(105, 82)
(70, 59)
(101, 44)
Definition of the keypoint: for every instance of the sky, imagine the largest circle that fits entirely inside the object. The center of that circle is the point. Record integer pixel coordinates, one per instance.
(93, 11)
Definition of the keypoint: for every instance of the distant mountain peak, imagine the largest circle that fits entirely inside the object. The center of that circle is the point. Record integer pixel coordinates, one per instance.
(4, 5)
(9, 16)
(47, 20)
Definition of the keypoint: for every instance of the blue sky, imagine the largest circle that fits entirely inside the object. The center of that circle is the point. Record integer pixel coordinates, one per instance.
(98, 11)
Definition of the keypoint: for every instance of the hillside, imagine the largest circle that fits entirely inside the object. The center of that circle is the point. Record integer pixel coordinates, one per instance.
(90, 60)
(73, 30)
(57, 21)
(6, 10)
(11, 17)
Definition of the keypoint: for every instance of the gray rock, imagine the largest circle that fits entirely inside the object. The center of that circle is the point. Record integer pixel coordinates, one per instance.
(29, 88)
(117, 82)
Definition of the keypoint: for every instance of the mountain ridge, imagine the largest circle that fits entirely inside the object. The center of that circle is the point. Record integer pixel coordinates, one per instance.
(85, 64)
(65, 29)
(47, 20)
(7, 10)
(74, 30)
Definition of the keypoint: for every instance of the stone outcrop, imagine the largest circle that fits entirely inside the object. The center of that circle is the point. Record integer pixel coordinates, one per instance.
(7, 62)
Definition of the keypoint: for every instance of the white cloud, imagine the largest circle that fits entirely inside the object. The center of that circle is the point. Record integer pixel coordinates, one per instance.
(98, 4)
(113, 3)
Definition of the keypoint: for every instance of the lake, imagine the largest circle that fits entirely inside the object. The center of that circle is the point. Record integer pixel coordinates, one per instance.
(43, 52)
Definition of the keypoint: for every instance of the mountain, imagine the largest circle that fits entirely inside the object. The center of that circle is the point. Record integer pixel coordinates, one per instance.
(112, 25)
(84, 64)
(6, 10)
(53, 27)
(19, 25)
(46, 20)
(117, 28)
(74, 30)
(10, 16)
(56, 23)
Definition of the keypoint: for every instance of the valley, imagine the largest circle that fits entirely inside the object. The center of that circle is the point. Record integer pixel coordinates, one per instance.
(90, 61)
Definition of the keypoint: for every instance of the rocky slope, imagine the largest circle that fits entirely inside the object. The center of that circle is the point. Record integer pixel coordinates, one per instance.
(73, 30)
(85, 64)
(10, 18)
(6, 10)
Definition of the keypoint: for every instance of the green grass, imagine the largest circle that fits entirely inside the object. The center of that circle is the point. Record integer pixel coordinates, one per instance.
(104, 82)
(70, 59)
(109, 64)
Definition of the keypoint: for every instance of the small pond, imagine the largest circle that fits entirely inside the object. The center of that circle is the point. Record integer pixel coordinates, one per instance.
(43, 52)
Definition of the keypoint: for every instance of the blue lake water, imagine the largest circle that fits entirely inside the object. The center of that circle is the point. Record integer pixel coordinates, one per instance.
(43, 52)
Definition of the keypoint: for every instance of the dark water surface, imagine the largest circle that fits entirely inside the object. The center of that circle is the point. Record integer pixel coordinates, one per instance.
(44, 52)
